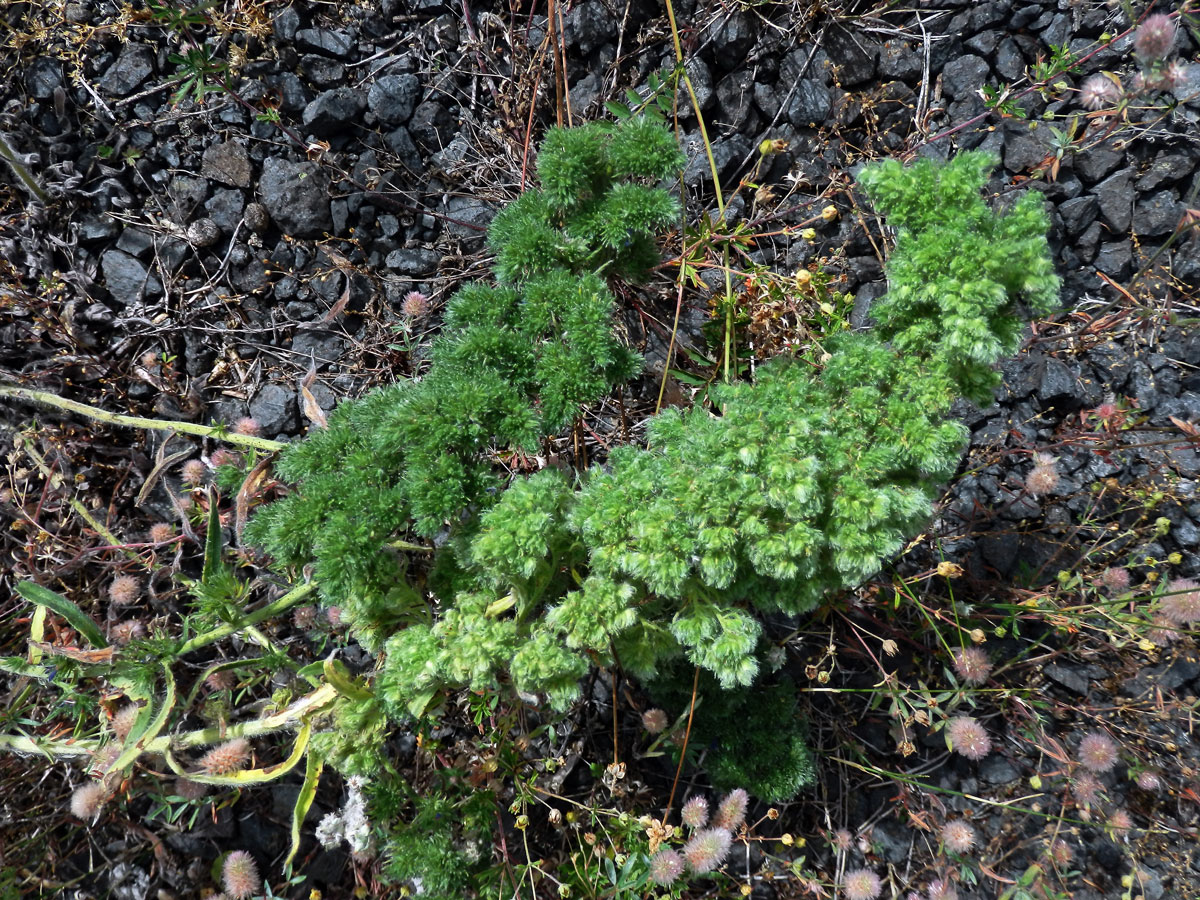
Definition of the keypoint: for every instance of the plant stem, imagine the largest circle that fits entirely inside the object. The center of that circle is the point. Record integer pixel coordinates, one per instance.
(57, 749)
(45, 398)
(288, 600)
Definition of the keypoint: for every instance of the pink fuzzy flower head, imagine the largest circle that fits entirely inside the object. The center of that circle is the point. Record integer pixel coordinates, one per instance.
(414, 305)
(1180, 605)
(124, 590)
(123, 720)
(968, 737)
(1060, 853)
(1149, 781)
(695, 812)
(665, 867)
(958, 836)
(972, 665)
(247, 426)
(1097, 752)
(161, 532)
(87, 800)
(194, 472)
(707, 849)
(1087, 789)
(655, 721)
(731, 811)
(942, 889)
(1154, 39)
(239, 875)
(1043, 477)
(121, 633)
(1101, 91)
(1116, 580)
(861, 884)
(227, 758)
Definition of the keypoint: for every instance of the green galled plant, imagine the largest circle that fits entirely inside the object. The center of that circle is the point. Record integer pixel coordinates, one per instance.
(790, 488)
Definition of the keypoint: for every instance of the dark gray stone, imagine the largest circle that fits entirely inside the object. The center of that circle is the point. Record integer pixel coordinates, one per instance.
(810, 105)
(471, 217)
(228, 163)
(1069, 677)
(187, 192)
(1078, 214)
(323, 347)
(413, 261)
(203, 233)
(1100, 159)
(431, 125)
(400, 142)
(964, 76)
(1156, 215)
(997, 770)
(325, 41)
(394, 97)
(1008, 61)
(94, 228)
(136, 242)
(1167, 168)
(1114, 196)
(293, 95)
(322, 71)
(1000, 551)
(334, 112)
(43, 77)
(589, 26)
(1057, 385)
(126, 278)
(132, 67)
(854, 54)
(274, 406)
(1024, 145)
(257, 218)
(249, 278)
(225, 208)
(1115, 259)
(727, 154)
(734, 36)
(297, 197)
(900, 59)
(286, 24)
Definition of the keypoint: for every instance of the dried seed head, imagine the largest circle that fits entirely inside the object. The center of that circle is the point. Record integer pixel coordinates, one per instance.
(1101, 91)
(731, 811)
(226, 758)
(124, 590)
(695, 812)
(958, 836)
(665, 867)
(161, 532)
(194, 472)
(123, 719)
(121, 633)
(87, 801)
(707, 849)
(1149, 781)
(972, 665)
(1154, 39)
(968, 737)
(247, 426)
(861, 884)
(1097, 752)
(1180, 605)
(239, 875)
(654, 721)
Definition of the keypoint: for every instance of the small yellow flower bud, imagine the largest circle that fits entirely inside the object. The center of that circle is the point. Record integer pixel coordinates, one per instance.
(803, 277)
(809, 234)
(1175, 559)
(787, 840)
(829, 213)
(1035, 782)
(522, 822)
(772, 814)
(977, 636)
(948, 569)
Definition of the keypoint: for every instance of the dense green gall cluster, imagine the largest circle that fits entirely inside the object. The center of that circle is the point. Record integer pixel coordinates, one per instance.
(788, 489)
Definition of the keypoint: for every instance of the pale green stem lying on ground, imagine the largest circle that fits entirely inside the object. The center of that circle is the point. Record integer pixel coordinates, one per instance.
(45, 398)
(280, 721)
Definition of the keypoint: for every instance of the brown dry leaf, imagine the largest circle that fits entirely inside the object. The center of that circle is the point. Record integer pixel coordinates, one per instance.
(312, 409)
